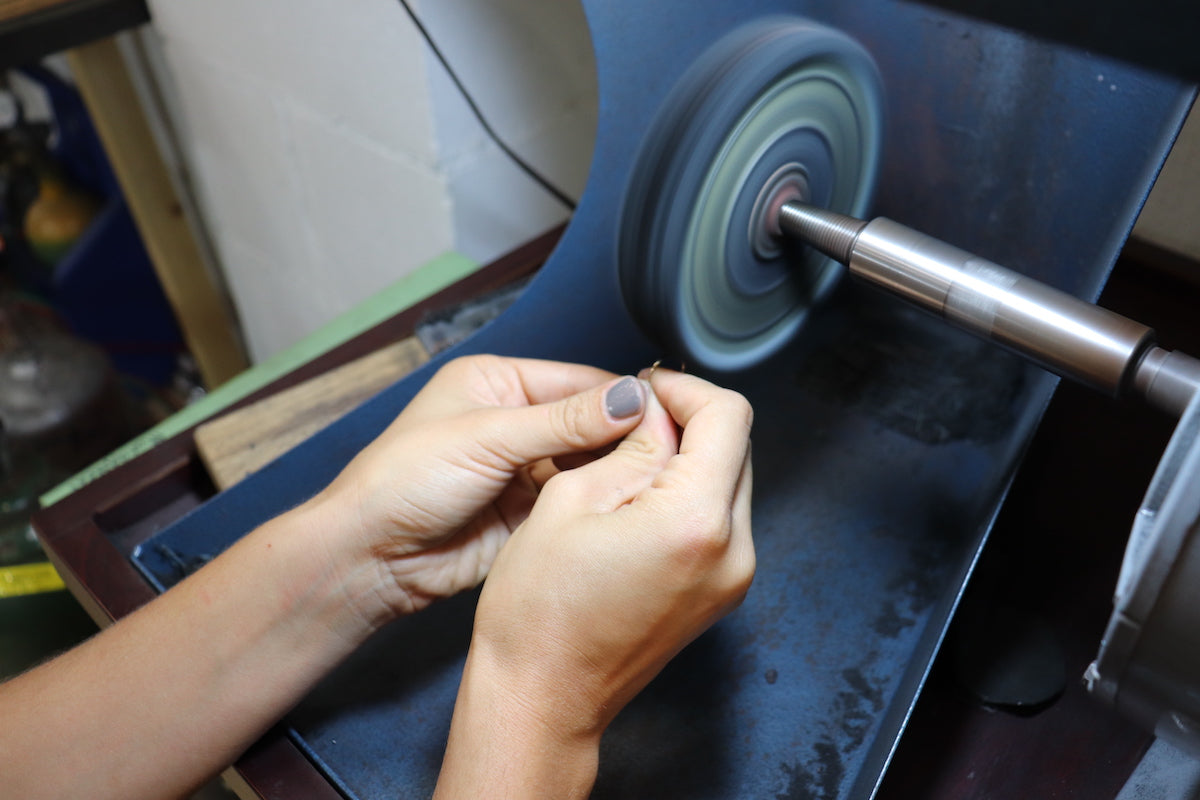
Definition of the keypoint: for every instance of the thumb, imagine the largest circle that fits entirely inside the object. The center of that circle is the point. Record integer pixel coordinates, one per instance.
(576, 423)
(618, 478)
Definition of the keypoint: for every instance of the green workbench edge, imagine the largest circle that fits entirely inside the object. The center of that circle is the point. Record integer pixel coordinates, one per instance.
(426, 280)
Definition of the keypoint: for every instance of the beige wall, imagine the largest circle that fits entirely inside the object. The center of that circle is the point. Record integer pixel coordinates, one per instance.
(330, 155)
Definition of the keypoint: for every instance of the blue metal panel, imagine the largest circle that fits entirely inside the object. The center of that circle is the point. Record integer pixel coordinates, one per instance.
(884, 442)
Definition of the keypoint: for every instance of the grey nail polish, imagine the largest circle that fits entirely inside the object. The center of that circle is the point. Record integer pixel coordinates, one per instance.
(624, 399)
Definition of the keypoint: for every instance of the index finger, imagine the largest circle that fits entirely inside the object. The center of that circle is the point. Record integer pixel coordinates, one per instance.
(491, 380)
(716, 427)
(548, 381)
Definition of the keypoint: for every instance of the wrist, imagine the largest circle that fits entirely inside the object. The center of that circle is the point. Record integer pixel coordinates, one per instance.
(509, 738)
(333, 574)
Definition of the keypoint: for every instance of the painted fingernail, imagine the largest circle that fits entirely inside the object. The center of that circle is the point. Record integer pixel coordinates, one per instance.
(624, 399)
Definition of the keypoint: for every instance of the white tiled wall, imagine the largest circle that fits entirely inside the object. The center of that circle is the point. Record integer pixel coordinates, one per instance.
(332, 156)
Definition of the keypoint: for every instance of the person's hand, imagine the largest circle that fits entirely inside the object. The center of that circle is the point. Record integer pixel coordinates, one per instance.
(434, 497)
(621, 563)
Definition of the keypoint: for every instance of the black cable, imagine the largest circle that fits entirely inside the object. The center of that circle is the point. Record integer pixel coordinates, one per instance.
(559, 195)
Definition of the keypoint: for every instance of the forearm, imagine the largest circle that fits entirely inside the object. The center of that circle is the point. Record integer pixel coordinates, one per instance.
(504, 744)
(173, 693)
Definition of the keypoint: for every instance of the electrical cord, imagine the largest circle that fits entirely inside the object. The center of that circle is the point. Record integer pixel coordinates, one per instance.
(537, 177)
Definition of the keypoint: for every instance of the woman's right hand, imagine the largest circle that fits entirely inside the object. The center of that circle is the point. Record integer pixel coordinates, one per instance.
(621, 563)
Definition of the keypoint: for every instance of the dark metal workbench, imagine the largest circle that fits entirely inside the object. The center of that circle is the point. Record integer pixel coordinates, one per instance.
(1059, 540)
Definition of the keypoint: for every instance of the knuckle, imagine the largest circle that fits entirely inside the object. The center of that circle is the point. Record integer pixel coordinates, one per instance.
(702, 537)
(565, 488)
(640, 447)
(708, 555)
(732, 404)
(460, 364)
(569, 423)
(470, 366)
(742, 574)
(739, 408)
(457, 368)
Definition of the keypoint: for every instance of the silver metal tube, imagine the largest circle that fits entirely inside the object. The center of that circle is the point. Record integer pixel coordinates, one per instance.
(1060, 332)
(1056, 330)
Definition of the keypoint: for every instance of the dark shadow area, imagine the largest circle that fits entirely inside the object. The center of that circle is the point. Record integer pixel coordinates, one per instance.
(1051, 563)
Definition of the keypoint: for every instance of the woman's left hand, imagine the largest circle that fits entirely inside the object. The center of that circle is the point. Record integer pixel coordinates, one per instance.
(434, 497)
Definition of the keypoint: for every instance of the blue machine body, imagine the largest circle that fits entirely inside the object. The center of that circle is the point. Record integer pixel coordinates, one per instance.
(884, 441)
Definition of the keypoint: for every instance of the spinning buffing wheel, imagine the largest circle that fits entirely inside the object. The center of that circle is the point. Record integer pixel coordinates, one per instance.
(781, 109)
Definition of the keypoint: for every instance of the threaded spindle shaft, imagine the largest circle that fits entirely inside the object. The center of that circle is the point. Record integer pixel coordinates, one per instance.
(829, 232)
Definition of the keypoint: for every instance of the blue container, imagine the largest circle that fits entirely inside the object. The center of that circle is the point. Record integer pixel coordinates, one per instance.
(107, 291)
(106, 288)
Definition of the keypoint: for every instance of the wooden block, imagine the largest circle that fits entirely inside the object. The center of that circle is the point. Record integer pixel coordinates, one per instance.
(237, 444)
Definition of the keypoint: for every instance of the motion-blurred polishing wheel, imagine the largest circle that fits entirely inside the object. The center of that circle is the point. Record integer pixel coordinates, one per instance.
(779, 109)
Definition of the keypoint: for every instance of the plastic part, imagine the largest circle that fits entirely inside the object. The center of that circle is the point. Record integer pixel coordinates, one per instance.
(1149, 659)
(779, 106)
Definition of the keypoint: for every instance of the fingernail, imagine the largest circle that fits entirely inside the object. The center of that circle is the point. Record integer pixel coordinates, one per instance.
(624, 399)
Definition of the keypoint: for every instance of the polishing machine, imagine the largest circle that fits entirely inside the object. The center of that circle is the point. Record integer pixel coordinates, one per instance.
(1149, 659)
(746, 199)
(891, 444)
